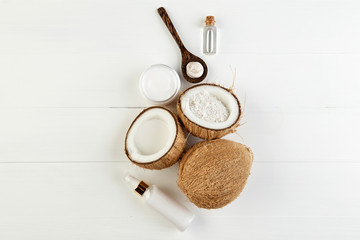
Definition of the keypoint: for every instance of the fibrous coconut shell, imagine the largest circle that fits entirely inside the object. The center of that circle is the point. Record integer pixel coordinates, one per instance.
(213, 173)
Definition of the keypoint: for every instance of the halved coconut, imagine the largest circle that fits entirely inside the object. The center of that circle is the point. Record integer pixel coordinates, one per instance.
(209, 111)
(155, 139)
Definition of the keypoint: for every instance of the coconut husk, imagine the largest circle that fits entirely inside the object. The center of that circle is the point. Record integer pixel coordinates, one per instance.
(213, 173)
(172, 156)
(203, 132)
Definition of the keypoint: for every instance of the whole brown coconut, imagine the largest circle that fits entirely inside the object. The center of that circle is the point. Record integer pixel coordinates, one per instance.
(201, 131)
(174, 152)
(213, 173)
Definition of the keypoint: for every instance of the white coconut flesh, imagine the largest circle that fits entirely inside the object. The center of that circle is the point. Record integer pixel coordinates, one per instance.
(210, 106)
(151, 136)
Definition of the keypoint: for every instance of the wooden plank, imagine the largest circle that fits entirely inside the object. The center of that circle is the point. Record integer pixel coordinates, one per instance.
(320, 26)
(302, 134)
(97, 134)
(101, 80)
(88, 54)
(89, 200)
(93, 134)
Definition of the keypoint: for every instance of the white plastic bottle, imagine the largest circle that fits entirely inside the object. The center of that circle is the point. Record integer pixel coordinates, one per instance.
(175, 212)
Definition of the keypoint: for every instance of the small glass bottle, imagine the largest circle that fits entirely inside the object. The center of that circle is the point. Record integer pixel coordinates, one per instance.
(209, 37)
(175, 212)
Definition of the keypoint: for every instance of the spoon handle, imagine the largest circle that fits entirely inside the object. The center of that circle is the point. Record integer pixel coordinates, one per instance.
(165, 17)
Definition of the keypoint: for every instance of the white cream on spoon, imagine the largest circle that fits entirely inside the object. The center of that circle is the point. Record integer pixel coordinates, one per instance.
(194, 69)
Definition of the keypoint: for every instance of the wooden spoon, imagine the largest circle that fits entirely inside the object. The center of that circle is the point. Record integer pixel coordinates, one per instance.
(185, 54)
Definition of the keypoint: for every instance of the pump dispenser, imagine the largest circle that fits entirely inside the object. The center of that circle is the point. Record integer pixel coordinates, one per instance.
(175, 212)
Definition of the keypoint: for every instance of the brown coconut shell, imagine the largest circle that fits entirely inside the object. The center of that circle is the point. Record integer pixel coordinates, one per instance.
(213, 173)
(174, 153)
(203, 132)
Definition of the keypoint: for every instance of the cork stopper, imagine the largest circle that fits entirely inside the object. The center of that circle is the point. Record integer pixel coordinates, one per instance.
(210, 21)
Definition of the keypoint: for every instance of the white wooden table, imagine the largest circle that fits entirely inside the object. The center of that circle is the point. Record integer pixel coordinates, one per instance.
(69, 90)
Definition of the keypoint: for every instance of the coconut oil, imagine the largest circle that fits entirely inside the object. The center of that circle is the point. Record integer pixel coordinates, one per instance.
(160, 84)
(209, 37)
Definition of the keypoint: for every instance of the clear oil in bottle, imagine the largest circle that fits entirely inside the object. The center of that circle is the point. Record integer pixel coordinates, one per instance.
(209, 37)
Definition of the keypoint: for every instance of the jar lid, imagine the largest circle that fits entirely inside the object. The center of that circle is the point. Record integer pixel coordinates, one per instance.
(160, 84)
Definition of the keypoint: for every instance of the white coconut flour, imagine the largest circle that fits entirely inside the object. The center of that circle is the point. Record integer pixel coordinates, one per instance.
(208, 107)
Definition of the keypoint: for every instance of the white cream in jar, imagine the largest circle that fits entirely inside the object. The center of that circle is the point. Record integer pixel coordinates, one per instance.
(160, 84)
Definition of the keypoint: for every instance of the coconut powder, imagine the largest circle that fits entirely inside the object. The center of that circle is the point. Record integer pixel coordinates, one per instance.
(208, 107)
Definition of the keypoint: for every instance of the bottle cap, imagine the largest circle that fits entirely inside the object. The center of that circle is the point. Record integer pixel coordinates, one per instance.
(139, 186)
(210, 21)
